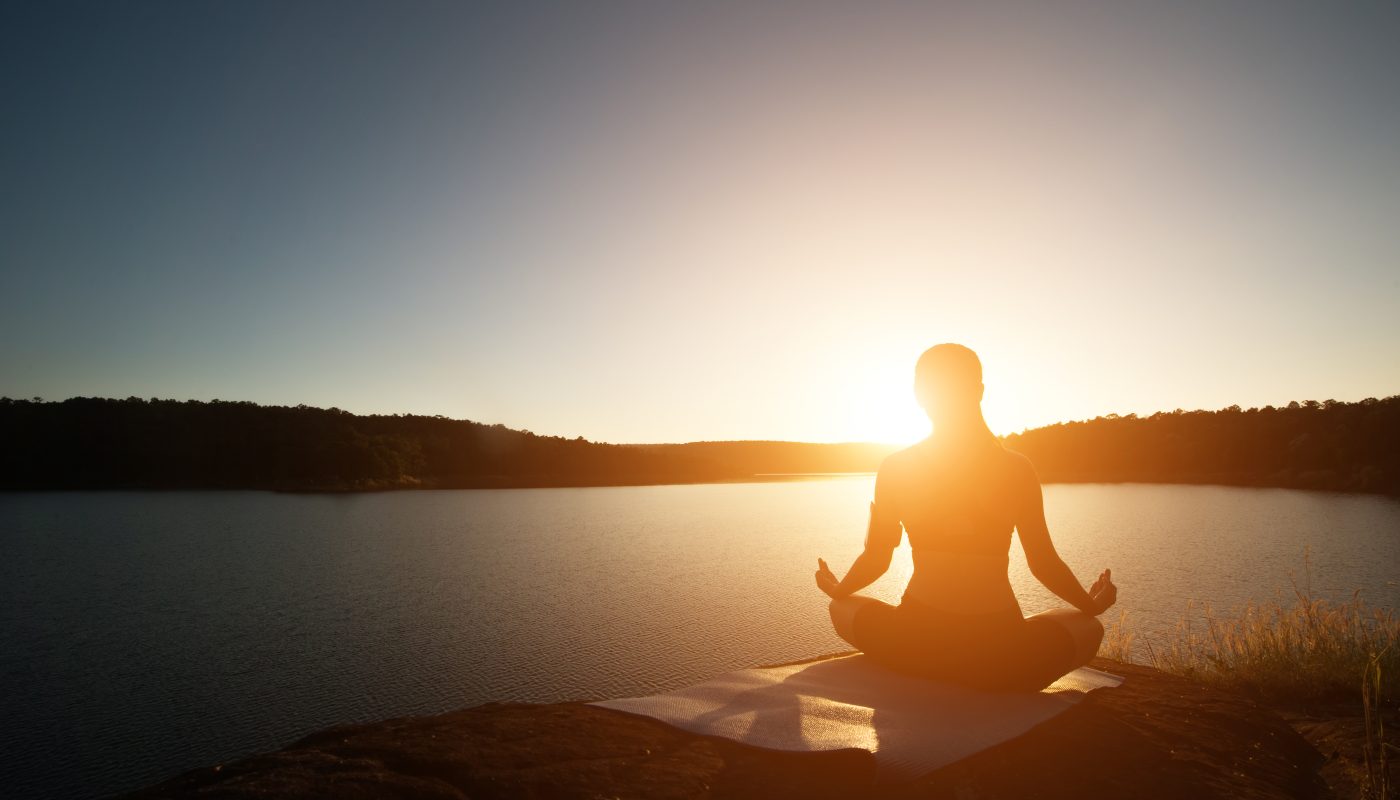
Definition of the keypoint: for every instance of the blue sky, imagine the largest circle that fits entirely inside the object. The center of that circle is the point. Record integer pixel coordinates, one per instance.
(663, 222)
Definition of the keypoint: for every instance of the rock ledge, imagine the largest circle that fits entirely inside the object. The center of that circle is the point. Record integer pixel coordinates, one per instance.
(1155, 736)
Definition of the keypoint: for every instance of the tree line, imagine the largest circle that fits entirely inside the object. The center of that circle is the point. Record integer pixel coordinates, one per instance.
(95, 443)
(91, 443)
(1353, 447)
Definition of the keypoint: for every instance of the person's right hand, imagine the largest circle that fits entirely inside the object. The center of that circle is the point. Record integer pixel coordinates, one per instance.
(826, 580)
(1103, 592)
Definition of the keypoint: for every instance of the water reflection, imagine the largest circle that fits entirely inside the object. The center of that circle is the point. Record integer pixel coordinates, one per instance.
(177, 629)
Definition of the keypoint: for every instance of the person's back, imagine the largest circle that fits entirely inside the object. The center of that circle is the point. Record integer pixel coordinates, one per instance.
(959, 506)
(960, 495)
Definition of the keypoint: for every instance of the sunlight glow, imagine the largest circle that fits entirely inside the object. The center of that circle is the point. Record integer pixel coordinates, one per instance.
(878, 415)
(876, 393)
(655, 244)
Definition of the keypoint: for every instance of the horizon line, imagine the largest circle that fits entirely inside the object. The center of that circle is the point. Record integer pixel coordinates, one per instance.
(846, 443)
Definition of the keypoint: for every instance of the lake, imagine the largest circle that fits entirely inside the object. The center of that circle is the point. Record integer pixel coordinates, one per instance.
(145, 633)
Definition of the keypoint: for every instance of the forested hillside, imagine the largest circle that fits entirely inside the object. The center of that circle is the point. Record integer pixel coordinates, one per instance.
(134, 443)
(1309, 445)
(169, 444)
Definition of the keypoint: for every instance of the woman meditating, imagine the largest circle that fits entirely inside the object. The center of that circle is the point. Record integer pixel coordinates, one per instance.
(959, 495)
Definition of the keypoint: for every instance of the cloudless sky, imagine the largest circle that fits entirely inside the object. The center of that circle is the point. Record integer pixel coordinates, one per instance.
(672, 222)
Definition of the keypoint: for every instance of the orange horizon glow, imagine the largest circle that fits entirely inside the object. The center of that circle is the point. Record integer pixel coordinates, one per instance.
(721, 223)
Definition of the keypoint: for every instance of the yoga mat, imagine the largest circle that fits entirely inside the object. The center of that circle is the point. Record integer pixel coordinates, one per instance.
(912, 726)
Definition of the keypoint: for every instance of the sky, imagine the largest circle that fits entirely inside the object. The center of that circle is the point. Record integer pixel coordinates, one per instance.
(673, 222)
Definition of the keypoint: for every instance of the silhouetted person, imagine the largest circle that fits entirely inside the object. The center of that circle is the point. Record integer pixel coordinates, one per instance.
(959, 495)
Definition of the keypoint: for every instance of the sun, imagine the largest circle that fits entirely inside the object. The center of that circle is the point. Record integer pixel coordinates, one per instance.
(894, 422)
(878, 405)
(881, 408)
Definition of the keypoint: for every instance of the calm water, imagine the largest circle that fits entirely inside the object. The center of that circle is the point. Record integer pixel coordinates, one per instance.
(142, 634)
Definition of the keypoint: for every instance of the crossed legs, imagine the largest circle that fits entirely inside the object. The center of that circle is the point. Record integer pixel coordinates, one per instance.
(1044, 647)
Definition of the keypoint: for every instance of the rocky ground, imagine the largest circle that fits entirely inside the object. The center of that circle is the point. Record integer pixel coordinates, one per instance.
(1155, 736)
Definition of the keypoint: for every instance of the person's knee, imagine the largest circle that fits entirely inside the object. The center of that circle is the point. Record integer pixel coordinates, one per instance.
(1093, 637)
(1084, 630)
(843, 613)
(1087, 632)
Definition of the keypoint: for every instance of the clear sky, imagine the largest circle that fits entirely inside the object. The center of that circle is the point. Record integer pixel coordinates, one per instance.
(667, 222)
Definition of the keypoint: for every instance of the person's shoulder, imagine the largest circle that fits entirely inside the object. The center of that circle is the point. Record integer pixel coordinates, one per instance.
(1019, 466)
(900, 461)
(897, 471)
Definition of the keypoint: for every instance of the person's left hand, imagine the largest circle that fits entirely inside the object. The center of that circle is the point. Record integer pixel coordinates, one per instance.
(1103, 592)
(826, 580)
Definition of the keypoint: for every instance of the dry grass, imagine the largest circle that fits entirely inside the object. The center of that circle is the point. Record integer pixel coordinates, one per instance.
(1376, 781)
(1289, 650)
(1118, 639)
(1306, 648)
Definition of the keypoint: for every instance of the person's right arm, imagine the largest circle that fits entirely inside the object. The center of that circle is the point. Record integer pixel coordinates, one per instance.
(1045, 563)
(881, 538)
(869, 565)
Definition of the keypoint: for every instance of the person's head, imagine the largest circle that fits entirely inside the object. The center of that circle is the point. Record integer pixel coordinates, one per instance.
(948, 384)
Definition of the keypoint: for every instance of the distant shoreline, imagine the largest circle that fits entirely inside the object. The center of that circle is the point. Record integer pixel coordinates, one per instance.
(766, 478)
(97, 443)
(466, 486)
